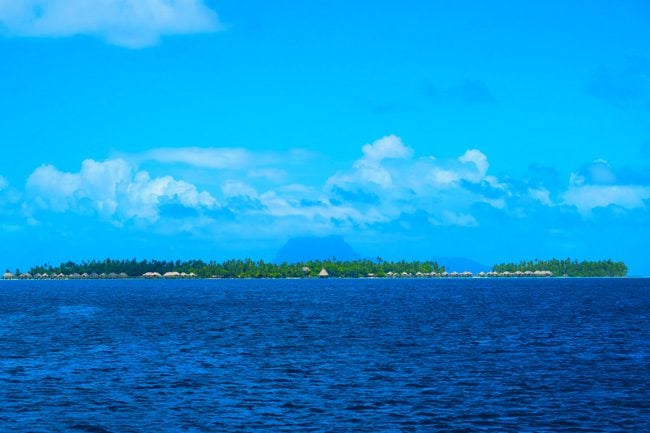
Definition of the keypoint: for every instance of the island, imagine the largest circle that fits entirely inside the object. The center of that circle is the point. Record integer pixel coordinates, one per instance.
(362, 268)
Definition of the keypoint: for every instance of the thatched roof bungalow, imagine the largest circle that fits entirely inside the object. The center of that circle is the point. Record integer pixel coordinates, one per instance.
(323, 273)
(8, 276)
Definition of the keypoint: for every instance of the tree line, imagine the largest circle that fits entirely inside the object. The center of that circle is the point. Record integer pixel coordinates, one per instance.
(568, 267)
(244, 268)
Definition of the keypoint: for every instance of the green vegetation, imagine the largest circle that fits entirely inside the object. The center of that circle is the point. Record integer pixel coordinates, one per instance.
(246, 268)
(567, 267)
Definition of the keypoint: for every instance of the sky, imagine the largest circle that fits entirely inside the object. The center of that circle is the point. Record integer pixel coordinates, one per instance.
(495, 131)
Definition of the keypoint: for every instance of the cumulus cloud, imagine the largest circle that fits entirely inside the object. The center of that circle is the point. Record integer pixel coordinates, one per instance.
(588, 197)
(369, 168)
(542, 195)
(598, 185)
(128, 23)
(400, 183)
(112, 189)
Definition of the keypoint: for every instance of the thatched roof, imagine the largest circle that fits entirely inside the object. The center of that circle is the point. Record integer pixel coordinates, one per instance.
(7, 275)
(171, 275)
(323, 273)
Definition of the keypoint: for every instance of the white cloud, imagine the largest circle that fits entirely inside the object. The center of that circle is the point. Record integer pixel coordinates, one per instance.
(129, 23)
(542, 195)
(201, 157)
(233, 188)
(588, 197)
(389, 181)
(369, 167)
(480, 161)
(390, 146)
(113, 190)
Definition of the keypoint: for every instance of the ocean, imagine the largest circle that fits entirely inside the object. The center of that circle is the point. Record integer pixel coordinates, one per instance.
(402, 355)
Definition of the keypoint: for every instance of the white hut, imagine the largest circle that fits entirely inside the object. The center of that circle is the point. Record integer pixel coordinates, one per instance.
(7, 276)
(323, 273)
(26, 276)
(171, 275)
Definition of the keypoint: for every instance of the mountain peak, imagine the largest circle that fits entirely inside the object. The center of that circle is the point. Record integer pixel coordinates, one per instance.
(300, 249)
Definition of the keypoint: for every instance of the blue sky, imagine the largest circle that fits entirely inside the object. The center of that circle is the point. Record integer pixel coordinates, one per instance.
(488, 130)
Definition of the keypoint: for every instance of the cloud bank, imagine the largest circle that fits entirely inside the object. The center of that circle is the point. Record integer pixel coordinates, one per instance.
(388, 188)
(127, 23)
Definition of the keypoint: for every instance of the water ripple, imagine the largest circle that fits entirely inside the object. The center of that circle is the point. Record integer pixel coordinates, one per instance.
(336, 355)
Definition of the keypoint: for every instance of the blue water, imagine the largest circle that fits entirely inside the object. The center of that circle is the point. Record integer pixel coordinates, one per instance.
(325, 355)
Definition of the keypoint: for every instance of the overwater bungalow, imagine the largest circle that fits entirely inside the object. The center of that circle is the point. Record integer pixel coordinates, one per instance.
(26, 276)
(323, 273)
(171, 275)
(151, 275)
(8, 276)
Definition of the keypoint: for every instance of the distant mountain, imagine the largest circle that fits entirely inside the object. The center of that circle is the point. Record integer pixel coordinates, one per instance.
(301, 249)
(461, 264)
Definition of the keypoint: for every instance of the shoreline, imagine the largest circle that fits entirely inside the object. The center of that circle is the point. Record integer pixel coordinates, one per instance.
(324, 279)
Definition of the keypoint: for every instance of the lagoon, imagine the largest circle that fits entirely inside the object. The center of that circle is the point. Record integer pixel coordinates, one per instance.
(325, 355)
